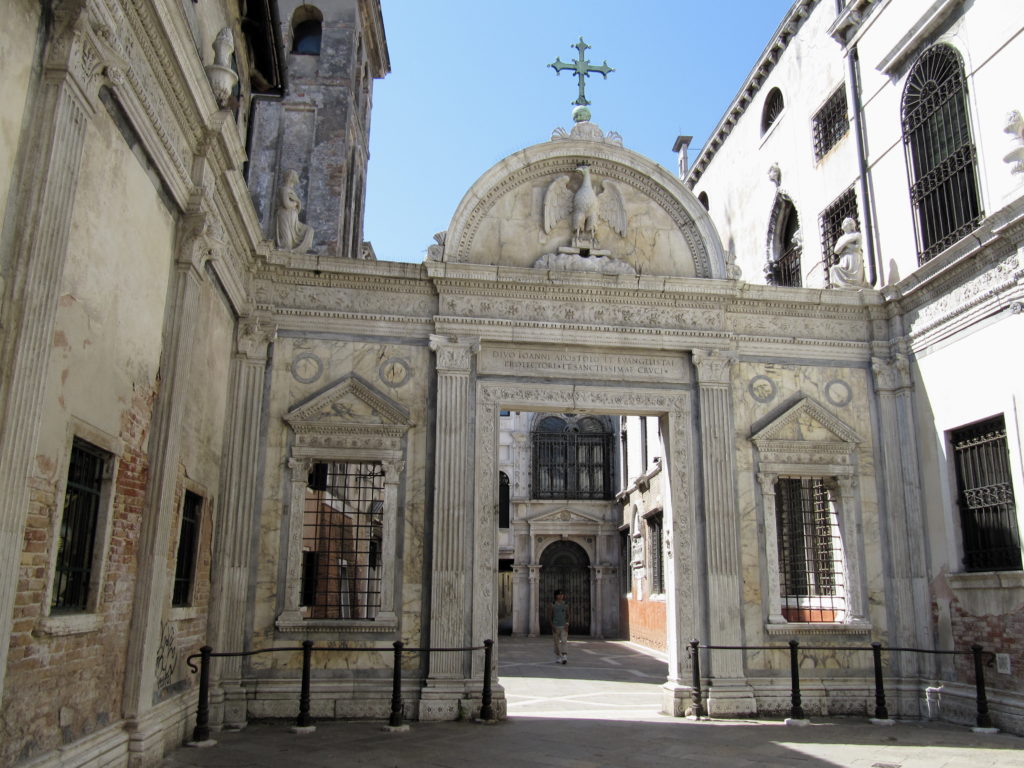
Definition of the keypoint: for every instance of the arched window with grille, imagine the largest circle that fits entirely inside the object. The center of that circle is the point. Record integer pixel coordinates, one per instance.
(773, 106)
(572, 458)
(785, 244)
(941, 158)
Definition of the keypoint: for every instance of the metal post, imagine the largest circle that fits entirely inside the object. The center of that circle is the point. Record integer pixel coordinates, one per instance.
(796, 711)
(304, 720)
(695, 697)
(202, 729)
(486, 710)
(881, 713)
(984, 721)
(396, 687)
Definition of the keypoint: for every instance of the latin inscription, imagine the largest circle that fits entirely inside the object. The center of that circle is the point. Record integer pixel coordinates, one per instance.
(569, 363)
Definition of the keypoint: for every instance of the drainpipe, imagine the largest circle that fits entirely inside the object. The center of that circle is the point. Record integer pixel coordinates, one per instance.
(853, 60)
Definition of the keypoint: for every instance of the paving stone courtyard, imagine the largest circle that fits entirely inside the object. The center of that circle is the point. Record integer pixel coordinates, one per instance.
(602, 710)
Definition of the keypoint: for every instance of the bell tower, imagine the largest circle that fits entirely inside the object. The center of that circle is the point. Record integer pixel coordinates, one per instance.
(318, 125)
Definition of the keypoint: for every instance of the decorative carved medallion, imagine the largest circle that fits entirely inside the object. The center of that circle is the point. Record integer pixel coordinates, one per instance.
(762, 389)
(394, 371)
(307, 368)
(838, 393)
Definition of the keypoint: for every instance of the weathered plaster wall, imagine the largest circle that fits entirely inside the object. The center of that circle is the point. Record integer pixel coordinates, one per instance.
(102, 384)
(17, 57)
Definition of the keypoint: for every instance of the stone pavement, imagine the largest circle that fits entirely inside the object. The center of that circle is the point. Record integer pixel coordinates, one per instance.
(601, 710)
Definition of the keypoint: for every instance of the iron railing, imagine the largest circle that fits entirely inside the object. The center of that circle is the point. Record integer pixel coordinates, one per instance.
(201, 732)
(881, 711)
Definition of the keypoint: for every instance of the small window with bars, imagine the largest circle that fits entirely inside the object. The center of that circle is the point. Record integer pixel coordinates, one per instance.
(830, 123)
(811, 563)
(988, 511)
(188, 547)
(342, 532)
(656, 553)
(831, 224)
(625, 555)
(77, 561)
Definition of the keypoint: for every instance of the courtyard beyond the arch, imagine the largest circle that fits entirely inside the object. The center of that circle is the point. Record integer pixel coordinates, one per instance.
(601, 709)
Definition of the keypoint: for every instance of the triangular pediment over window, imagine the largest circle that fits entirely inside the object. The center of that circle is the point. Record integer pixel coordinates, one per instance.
(564, 516)
(806, 433)
(348, 414)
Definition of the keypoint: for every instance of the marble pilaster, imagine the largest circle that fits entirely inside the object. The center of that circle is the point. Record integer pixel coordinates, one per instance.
(534, 600)
(199, 241)
(907, 594)
(66, 103)
(520, 600)
(721, 520)
(239, 509)
(451, 597)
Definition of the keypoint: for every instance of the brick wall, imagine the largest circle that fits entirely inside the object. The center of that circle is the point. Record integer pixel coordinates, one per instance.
(643, 622)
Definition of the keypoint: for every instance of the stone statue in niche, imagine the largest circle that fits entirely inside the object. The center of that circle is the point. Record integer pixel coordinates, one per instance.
(290, 233)
(584, 208)
(222, 77)
(848, 271)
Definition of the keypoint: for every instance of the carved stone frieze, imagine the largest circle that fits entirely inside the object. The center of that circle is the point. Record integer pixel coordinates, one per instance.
(378, 298)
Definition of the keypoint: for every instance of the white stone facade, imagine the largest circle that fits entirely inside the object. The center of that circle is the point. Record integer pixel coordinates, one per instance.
(174, 382)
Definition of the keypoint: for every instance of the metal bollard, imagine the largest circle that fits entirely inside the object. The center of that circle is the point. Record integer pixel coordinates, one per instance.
(396, 687)
(984, 721)
(695, 697)
(202, 730)
(304, 720)
(486, 708)
(796, 711)
(881, 712)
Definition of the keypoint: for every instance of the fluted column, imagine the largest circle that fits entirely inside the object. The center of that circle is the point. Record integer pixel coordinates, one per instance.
(907, 594)
(40, 224)
(721, 517)
(450, 622)
(199, 238)
(239, 510)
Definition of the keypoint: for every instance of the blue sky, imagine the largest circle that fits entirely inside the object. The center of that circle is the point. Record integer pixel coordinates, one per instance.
(470, 84)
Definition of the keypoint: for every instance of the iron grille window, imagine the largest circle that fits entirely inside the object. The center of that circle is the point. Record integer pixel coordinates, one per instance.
(784, 268)
(810, 552)
(831, 224)
(773, 106)
(941, 157)
(188, 544)
(341, 539)
(830, 123)
(78, 524)
(503, 500)
(625, 553)
(572, 460)
(655, 528)
(988, 513)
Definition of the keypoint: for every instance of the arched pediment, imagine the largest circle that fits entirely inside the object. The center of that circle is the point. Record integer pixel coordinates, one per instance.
(522, 212)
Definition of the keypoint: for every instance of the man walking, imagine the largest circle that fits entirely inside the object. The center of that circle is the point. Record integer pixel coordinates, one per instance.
(559, 618)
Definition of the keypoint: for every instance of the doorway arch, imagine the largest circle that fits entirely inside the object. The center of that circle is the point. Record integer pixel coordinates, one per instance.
(565, 565)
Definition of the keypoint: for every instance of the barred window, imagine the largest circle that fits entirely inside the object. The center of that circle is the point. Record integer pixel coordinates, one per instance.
(831, 224)
(572, 458)
(656, 553)
(188, 545)
(811, 567)
(988, 512)
(941, 158)
(341, 540)
(830, 123)
(76, 544)
(625, 555)
(773, 106)
(785, 245)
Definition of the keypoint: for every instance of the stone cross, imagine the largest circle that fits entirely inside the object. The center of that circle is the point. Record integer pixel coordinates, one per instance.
(582, 68)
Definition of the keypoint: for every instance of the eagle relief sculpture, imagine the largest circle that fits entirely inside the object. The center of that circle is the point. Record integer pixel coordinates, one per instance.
(584, 208)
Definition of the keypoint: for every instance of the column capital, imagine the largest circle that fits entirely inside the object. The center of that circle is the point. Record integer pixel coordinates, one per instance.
(892, 374)
(253, 334)
(713, 365)
(453, 354)
(393, 471)
(83, 50)
(767, 482)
